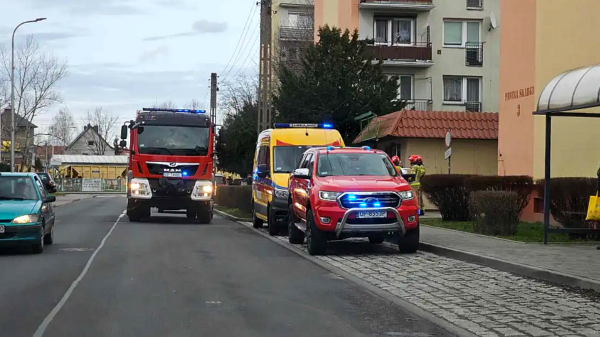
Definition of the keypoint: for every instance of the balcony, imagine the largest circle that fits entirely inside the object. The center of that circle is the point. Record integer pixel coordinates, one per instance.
(416, 55)
(475, 4)
(419, 105)
(412, 5)
(473, 106)
(474, 54)
(290, 33)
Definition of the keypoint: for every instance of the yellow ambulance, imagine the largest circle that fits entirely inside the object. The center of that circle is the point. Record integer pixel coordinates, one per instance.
(278, 151)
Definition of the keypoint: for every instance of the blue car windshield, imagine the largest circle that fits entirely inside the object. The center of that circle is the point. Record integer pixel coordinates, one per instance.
(17, 188)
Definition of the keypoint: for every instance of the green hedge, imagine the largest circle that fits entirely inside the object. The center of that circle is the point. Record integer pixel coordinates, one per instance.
(235, 196)
(495, 212)
(450, 192)
(569, 199)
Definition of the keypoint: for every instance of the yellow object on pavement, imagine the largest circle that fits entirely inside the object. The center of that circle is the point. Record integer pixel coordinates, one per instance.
(593, 213)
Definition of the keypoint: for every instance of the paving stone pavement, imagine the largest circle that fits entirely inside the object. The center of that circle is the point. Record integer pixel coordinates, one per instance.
(482, 300)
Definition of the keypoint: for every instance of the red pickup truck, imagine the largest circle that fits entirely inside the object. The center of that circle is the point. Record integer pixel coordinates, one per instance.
(338, 193)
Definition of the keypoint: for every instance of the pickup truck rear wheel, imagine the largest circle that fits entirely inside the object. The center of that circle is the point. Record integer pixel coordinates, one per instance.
(295, 235)
(409, 243)
(316, 242)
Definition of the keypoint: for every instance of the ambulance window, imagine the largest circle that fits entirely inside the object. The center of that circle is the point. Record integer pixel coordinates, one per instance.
(264, 157)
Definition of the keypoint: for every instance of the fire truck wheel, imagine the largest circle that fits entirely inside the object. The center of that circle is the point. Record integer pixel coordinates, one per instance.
(190, 214)
(134, 216)
(205, 216)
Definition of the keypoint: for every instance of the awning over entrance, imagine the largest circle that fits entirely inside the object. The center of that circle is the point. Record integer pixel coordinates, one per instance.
(572, 90)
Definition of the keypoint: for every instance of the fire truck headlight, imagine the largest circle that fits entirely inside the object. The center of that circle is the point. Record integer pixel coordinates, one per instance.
(140, 188)
(203, 190)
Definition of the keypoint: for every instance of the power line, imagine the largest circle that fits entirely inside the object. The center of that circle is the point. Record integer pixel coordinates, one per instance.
(242, 48)
(244, 32)
(250, 52)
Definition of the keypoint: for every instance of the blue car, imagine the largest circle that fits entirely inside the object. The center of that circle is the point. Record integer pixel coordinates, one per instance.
(26, 213)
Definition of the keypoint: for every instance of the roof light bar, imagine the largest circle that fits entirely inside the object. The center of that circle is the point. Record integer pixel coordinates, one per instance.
(302, 126)
(366, 148)
(193, 111)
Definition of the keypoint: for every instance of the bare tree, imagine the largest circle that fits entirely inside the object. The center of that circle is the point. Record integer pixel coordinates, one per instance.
(193, 104)
(166, 105)
(62, 127)
(103, 123)
(36, 76)
(235, 94)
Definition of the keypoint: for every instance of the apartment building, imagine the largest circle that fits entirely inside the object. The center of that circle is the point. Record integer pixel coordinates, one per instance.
(445, 52)
(293, 28)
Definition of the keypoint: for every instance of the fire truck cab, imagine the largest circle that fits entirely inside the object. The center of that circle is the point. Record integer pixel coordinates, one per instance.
(170, 163)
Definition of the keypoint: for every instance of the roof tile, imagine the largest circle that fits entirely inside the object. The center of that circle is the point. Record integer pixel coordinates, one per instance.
(435, 124)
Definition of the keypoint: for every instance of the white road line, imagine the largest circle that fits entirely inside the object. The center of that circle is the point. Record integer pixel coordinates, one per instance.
(42, 328)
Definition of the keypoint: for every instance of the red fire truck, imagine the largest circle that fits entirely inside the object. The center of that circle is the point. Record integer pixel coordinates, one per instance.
(170, 163)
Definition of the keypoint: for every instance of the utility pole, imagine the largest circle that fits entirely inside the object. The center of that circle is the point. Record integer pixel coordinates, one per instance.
(213, 115)
(265, 82)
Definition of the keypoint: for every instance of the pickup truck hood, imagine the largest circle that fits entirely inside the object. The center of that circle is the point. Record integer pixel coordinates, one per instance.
(362, 183)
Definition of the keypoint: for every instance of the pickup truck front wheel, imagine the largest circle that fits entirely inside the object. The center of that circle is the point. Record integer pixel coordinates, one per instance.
(316, 242)
(409, 243)
(295, 235)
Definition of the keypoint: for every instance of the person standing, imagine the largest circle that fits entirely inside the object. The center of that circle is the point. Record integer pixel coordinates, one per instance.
(418, 169)
(397, 163)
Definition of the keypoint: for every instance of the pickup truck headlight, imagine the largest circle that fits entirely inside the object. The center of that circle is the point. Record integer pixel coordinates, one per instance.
(28, 218)
(281, 193)
(140, 188)
(406, 195)
(329, 196)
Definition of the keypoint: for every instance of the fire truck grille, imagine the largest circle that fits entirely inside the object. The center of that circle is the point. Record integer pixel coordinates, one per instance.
(160, 169)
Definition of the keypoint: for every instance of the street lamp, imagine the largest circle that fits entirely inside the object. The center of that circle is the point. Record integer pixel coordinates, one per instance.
(12, 95)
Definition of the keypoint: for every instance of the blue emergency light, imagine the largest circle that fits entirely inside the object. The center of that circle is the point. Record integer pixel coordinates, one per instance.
(366, 148)
(302, 126)
(193, 111)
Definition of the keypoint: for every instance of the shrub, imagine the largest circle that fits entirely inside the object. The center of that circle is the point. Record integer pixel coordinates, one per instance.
(235, 196)
(495, 212)
(522, 185)
(448, 193)
(4, 167)
(569, 199)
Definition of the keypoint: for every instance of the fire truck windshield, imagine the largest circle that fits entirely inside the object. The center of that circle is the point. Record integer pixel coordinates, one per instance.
(173, 140)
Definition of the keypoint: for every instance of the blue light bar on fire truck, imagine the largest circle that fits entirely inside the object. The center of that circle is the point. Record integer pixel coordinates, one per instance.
(193, 111)
(302, 126)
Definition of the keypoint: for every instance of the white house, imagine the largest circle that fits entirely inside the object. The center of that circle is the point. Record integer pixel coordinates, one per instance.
(89, 142)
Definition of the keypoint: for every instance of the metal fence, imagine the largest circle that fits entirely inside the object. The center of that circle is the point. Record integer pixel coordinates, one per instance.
(90, 185)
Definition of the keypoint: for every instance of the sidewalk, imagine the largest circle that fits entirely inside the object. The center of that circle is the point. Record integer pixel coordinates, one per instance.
(572, 264)
(62, 200)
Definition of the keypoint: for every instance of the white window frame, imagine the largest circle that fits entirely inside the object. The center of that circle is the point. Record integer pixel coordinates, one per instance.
(297, 15)
(389, 31)
(463, 89)
(464, 32)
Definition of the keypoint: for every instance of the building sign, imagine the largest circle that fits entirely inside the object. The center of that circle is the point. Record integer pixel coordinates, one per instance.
(516, 94)
(91, 185)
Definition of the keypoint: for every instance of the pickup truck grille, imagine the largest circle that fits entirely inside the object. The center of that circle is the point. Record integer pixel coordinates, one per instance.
(385, 199)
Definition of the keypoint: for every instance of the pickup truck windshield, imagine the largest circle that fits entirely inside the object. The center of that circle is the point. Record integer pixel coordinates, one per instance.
(173, 140)
(355, 164)
(286, 158)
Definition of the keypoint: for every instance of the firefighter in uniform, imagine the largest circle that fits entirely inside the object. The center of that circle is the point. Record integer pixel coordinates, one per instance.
(416, 163)
(397, 163)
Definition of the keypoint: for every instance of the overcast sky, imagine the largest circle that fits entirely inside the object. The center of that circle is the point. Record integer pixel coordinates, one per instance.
(127, 54)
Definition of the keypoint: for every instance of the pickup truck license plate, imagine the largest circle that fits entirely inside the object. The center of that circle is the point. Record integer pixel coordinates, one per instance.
(172, 174)
(371, 214)
(2, 229)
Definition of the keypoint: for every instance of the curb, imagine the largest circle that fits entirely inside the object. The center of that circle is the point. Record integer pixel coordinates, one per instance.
(374, 290)
(73, 201)
(511, 267)
(231, 217)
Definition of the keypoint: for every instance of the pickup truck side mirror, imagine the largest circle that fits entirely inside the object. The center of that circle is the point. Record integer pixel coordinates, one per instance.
(302, 173)
(124, 132)
(263, 171)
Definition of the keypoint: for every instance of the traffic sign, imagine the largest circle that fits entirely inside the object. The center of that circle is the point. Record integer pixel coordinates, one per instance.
(448, 139)
(448, 153)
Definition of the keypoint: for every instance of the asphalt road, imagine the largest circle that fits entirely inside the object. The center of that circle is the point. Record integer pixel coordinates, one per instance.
(169, 277)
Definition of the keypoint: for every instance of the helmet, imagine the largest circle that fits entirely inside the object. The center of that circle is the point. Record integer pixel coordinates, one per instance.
(396, 161)
(415, 159)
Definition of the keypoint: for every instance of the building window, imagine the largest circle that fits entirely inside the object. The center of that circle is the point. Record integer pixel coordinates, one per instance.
(474, 4)
(90, 142)
(459, 33)
(396, 31)
(463, 90)
(300, 20)
(406, 87)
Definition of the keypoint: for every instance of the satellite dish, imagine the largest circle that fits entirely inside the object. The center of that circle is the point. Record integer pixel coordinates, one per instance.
(493, 22)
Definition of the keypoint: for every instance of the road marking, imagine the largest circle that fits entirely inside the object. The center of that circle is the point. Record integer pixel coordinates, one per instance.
(76, 249)
(42, 328)
(212, 302)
